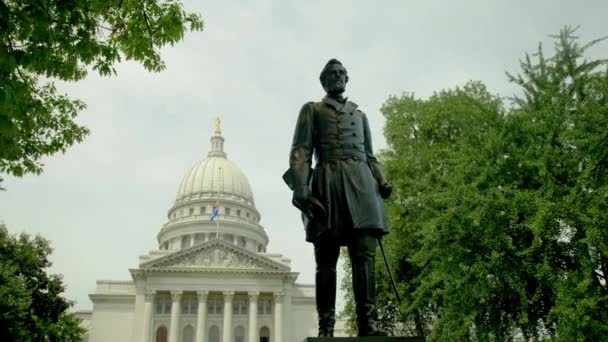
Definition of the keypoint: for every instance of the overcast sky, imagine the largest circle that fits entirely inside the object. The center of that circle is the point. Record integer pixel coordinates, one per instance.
(103, 202)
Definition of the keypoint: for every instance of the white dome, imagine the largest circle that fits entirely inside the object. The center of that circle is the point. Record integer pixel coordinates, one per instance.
(213, 176)
(215, 181)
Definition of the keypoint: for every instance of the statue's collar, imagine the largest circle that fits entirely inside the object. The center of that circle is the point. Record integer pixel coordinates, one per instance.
(346, 107)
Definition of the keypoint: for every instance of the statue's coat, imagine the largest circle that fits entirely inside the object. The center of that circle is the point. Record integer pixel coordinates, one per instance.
(347, 174)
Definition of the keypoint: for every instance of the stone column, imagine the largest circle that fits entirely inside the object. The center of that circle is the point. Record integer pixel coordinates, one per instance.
(201, 318)
(228, 295)
(176, 297)
(278, 317)
(148, 307)
(253, 316)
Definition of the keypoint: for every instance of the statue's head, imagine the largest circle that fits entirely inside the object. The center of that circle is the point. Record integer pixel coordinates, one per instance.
(334, 77)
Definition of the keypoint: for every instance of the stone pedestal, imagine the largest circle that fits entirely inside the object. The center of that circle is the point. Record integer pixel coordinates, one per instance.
(365, 339)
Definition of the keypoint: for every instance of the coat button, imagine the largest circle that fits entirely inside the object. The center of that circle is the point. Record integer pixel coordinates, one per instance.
(351, 113)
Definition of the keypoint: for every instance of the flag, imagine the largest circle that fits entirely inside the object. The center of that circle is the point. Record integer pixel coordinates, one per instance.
(216, 210)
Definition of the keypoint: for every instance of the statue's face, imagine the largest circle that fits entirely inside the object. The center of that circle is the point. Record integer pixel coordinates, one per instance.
(335, 80)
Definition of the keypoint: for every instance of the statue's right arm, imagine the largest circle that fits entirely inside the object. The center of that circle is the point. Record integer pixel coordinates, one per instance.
(300, 156)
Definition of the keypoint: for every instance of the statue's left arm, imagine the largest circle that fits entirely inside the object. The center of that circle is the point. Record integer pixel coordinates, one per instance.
(383, 185)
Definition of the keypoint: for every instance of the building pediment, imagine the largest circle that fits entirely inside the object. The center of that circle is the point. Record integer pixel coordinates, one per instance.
(214, 255)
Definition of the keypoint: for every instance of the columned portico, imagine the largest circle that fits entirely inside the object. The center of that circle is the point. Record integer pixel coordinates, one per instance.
(228, 296)
(253, 316)
(148, 306)
(278, 317)
(201, 318)
(176, 297)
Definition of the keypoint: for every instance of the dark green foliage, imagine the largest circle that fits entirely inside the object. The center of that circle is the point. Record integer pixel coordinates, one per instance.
(62, 40)
(31, 304)
(499, 216)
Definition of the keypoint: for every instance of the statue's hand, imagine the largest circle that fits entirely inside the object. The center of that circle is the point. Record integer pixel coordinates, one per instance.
(385, 190)
(309, 205)
(300, 199)
(303, 203)
(300, 195)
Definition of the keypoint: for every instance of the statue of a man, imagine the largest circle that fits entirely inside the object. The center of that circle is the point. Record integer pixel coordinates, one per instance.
(341, 200)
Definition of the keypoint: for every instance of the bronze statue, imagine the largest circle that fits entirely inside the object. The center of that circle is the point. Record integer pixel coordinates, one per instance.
(341, 199)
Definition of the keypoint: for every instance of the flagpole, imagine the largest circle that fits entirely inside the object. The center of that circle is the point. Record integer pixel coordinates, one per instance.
(217, 229)
(221, 181)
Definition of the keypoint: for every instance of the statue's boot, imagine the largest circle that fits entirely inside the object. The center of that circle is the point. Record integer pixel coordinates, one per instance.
(325, 289)
(364, 288)
(326, 324)
(367, 325)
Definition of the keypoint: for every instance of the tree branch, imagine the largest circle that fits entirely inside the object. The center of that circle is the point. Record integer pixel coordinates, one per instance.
(150, 31)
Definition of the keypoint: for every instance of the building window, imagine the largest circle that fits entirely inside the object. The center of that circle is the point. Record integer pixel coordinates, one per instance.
(247, 214)
(239, 307)
(163, 305)
(185, 241)
(229, 238)
(199, 238)
(181, 213)
(227, 211)
(241, 242)
(191, 211)
(265, 307)
(215, 307)
(238, 212)
(189, 305)
(203, 210)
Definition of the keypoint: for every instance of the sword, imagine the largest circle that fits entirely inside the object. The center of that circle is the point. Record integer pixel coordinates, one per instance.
(388, 268)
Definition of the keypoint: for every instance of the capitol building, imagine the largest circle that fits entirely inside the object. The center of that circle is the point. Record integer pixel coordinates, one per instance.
(204, 284)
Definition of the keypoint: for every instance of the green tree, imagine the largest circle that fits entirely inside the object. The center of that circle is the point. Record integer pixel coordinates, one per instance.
(347, 314)
(499, 216)
(31, 304)
(435, 164)
(42, 41)
(561, 122)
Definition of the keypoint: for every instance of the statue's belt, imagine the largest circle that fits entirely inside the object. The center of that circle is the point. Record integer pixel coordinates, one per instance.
(325, 155)
(340, 153)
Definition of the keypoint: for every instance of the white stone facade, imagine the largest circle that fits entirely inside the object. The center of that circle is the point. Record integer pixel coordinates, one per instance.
(201, 286)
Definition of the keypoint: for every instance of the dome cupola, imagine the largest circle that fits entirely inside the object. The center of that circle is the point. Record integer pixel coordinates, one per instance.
(215, 175)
